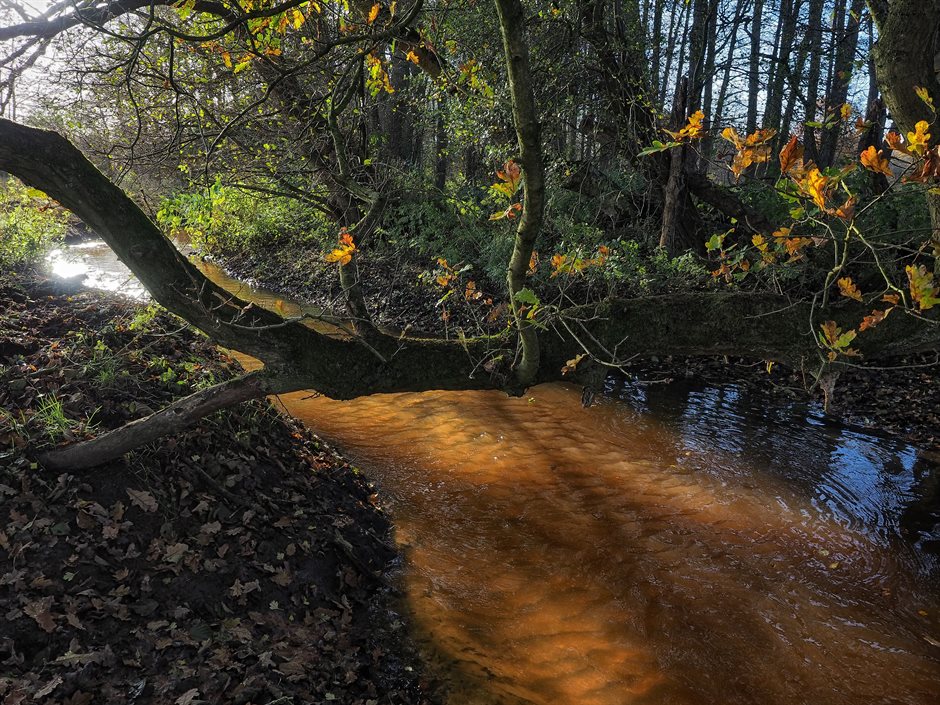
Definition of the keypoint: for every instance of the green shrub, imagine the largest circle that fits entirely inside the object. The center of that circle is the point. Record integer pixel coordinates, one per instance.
(227, 220)
(455, 227)
(30, 223)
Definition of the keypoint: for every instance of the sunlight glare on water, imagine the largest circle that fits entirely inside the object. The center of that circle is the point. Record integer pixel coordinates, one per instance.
(95, 263)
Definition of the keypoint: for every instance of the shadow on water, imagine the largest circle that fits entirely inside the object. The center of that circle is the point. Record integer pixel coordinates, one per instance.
(671, 544)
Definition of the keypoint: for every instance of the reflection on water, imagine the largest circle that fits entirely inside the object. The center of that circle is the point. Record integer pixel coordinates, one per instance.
(95, 263)
(679, 544)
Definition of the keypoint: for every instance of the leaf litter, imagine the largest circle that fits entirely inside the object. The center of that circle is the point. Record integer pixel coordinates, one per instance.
(240, 562)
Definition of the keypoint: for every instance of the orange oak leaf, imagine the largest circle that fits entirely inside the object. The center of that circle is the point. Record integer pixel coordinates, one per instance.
(848, 288)
(873, 160)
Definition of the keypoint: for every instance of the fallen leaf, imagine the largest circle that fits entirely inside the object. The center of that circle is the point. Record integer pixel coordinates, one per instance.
(175, 552)
(40, 610)
(187, 697)
(144, 500)
(48, 688)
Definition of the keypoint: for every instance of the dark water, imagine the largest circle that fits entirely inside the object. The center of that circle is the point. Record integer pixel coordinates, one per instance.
(670, 544)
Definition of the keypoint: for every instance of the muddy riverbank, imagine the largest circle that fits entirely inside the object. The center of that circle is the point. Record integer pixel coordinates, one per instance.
(243, 561)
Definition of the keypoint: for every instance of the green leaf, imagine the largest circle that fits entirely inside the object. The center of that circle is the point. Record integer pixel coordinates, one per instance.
(924, 95)
(845, 340)
(715, 242)
(526, 296)
(658, 146)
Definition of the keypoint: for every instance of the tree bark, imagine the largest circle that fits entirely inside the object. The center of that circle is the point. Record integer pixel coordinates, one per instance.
(753, 72)
(528, 135)
(175, 418)
(905, 56)
(814, 47)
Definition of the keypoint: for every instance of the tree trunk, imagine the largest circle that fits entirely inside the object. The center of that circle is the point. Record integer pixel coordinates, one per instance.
(753, 72)
(680, 222)
(842, 76)
(739, 13)
(697, 52)
(298, 356)
(675, 22)
(905, 58)
(441, 156)
(708, 75)
(789, 12)
(814, 48)
(656, 51)
(175, 418)
(528, 134)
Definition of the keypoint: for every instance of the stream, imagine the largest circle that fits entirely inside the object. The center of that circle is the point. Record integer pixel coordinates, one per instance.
(672, 544)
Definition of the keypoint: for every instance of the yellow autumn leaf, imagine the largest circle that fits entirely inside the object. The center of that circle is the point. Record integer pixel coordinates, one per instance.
(846, 210)
(874, 319)
(471, 293)
(732, 136)
(924, 95)
(373, 13)
(344, 253)
(894, 299)
(848, 288)
(893, 140)
(571, 364)
(815, 184)
(795, 244)
(872, 160)
(919, 140)
(922, 286)
(753, 149)
(693, 129)
(791, 155)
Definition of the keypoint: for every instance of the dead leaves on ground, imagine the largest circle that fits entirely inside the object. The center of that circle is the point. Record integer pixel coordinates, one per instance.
(147, 582)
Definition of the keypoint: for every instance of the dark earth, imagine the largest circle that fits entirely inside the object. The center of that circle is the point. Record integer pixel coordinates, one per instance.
(243, 561)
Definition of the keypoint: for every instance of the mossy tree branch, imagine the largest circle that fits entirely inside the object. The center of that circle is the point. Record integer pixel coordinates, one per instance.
(528, 134)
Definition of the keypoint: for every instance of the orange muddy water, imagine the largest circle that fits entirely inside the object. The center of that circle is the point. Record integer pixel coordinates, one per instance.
(671, 544)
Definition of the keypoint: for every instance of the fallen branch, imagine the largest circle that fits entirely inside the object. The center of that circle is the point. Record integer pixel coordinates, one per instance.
(177, 417)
